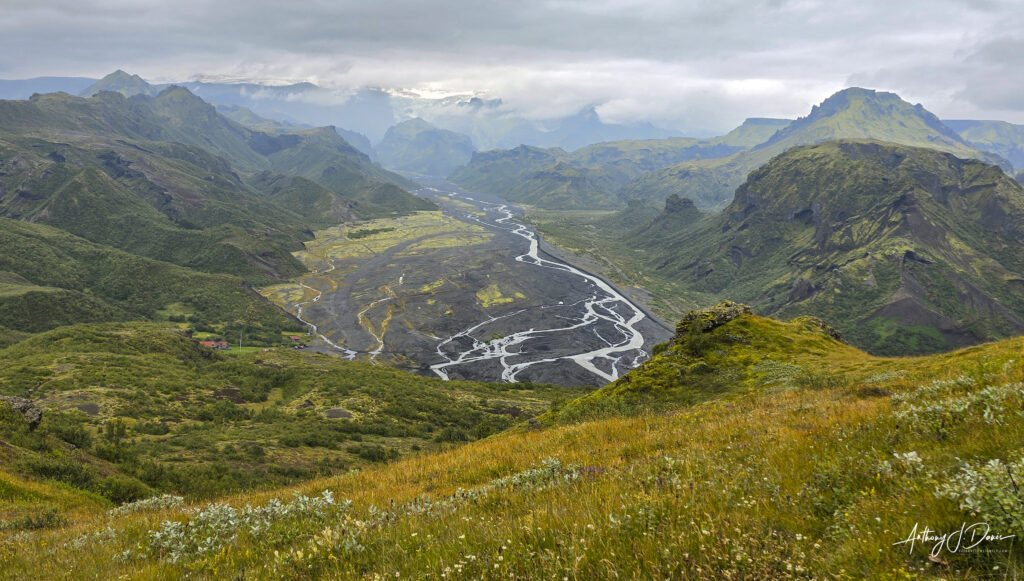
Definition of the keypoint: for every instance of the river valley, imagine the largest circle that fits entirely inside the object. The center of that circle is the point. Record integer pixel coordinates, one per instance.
(466, 293)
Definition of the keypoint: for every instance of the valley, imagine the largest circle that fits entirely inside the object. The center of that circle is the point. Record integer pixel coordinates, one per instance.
(465, 293)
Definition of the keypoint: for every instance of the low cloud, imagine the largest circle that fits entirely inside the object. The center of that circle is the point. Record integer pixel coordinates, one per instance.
(692, 66)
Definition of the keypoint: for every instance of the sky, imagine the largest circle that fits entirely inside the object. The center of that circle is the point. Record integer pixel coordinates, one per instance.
(697, 66)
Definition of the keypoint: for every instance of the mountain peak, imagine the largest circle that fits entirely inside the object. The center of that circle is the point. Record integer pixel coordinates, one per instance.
(121, 82)
(860, 113)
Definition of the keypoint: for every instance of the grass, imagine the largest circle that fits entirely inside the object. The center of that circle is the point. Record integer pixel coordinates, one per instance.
(191, 421)
(491, 295)
(790, 478)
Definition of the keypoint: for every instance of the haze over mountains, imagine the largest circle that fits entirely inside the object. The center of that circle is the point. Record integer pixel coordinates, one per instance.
(709, 171)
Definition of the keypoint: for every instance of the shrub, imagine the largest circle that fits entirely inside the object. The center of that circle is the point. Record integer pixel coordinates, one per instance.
(59, 468)
(67, 428)
(451, 435)
(373, 453)
(990, 492)
(152, 428)
(41, 518)
(121, 489)
(153, 503)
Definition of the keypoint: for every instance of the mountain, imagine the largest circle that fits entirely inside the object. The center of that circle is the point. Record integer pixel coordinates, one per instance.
(372, 111)
(745, 448)
(163, 150)
(245, 117)
(753, 131)
(320, 206)
(358, 141)
(851, 113)
(541, 177)
(593, 176)
(124, 83)
(906, 249)
(587, 127)
(419, 147)
(160, 200)
(323, 156)
(996, 137)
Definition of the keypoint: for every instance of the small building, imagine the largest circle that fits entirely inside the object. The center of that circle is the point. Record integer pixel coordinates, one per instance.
(218, 345)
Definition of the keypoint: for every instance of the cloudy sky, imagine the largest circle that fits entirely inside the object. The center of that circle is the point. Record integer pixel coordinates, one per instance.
(685, 64)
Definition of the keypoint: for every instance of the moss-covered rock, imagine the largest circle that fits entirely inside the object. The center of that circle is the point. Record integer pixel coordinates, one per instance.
(711, 317)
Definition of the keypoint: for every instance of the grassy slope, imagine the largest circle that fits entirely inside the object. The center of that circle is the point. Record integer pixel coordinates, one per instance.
(324, 157)
(791, 475)
(55, 278)
(204, 423)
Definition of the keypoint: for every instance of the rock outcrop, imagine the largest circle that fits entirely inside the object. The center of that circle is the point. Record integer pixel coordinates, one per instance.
(712, 317)
(33, 415)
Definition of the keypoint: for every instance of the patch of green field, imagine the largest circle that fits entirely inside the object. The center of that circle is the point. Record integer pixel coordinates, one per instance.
(491, 295)
(381, 234)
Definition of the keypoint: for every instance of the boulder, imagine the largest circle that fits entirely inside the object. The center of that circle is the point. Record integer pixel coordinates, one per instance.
(33, 415)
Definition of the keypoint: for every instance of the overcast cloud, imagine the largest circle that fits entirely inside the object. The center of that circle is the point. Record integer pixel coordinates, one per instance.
(689, 65)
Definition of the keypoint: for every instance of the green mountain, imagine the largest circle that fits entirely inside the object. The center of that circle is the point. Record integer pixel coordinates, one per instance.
(247, 118)
(320, 206)
(324, 157)
(592, 177)
(121, 82)
(906, 250)
(50, 278)
(996, 137)
(158, 176)
(541, 177)
(160, 200)
(851, 113)
(175, 114)
(419, 147)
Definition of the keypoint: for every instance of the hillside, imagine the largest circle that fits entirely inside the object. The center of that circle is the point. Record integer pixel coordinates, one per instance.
(323, 156)
(851, 113)
(419, 147)
(803, 465)
(592, 177)
(175, 114)
(996, 137)
(536, 176)
(159, 177)
(50, 278)
(906, 250)
(188, 420)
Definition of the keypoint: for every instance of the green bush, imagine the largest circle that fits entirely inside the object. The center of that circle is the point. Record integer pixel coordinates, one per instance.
(373, 453)
(41, 518)
(121, 489)
(990, 492)
(60, 468)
